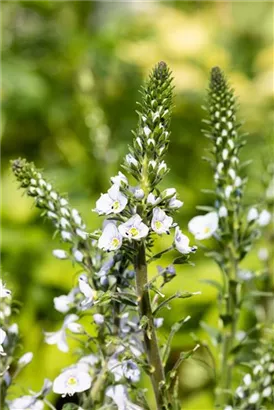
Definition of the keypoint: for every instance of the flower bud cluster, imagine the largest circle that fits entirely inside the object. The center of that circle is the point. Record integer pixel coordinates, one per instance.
(223, 131)
(151, 138)
(257, 387)
(66, 220)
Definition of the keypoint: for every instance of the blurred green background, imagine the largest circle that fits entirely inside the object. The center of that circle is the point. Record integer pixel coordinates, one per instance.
(71, 74)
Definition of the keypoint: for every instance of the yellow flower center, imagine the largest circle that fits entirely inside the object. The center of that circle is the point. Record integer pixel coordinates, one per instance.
(133, 231)
(206, 229)
(158, 225)
(72, 381)
(115, 205)
(115, 242)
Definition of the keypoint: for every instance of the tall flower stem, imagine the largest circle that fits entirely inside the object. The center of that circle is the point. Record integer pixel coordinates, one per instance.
(150, 338)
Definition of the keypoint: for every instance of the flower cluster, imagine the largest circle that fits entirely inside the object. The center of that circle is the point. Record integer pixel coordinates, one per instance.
(257, 388)
(10, 365)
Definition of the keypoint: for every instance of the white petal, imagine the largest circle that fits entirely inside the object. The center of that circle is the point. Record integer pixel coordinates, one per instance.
(25, 359)
(203, 226)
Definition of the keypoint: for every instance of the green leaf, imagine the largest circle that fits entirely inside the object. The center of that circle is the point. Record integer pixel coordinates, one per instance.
(214, 283)
(174, 329)
(70, 406)
(213, 333)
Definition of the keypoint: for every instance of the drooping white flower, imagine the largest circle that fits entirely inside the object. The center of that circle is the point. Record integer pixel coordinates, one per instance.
(182, 242)
(26, 403)
(14, 329)
(175, 203)
(223, 212)
(204, 226)
(119, 395)
(158, 322)
(60, 254)
(25, 359)
(4, 292)
(118, 179)
(111, 202)
(264, 218)
(111, 238)
(116, 368)
(86, 289)
(71, 381)
(160, 222)
(252, 215)
(59, 337)
(62, 303)
(247, 379)
(3, 335)
(76, 217)
(134, 228)
(66, 236)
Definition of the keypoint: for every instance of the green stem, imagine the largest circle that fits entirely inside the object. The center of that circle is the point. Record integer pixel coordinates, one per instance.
(229, 317)
(150, 338)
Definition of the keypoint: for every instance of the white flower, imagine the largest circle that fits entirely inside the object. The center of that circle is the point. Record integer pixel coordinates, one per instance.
(254, 398)
(14, 329)
(131, 371)
(118, 179)
(169, 192)
(267, 392)
(151, 199)
(160, 222)
(223, 212)
(78, 255)
(147, 131)
(225, 154)
(25, 359)
(182, 242)
(264, 218)
(238, 182)
(111, 238)
(113, 201)
(131, 160)
(66, 236)
(158, 322)
(162, 167)
(82, 234)
(119, 395)
(3, 335)
(204, 226)
(71, 381)
(231, 172)
(60, 254)
(76, 217)
(4, 292)
(87, 362)
(139, 193)
(228, 191)
(247, 379)
(134, 228)
(220, 167)
(263, 254)
(59, 337)
(62, 303)
(115, 367)
(64, 223)
(26, 403)
(252, 215)
(175, 203)
(98, 318)
(86, 289)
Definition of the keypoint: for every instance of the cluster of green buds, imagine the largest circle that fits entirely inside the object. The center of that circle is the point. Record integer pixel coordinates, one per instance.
(56, 208)
(145, 161)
